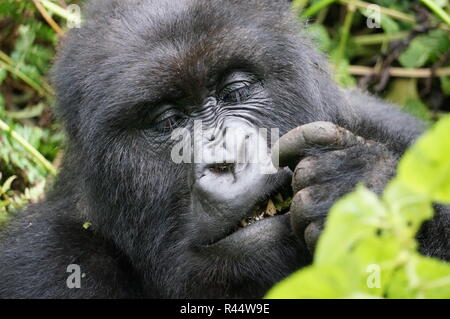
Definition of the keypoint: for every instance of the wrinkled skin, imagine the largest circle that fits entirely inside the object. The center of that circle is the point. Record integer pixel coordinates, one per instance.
(133, 73)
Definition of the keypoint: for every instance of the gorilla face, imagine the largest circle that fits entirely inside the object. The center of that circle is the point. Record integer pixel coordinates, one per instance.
(137, 71)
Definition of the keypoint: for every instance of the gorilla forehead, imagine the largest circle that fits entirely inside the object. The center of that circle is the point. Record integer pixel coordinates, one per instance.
(140, 41)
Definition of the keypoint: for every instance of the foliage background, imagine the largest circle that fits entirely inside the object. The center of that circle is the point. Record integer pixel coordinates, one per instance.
(406, 60)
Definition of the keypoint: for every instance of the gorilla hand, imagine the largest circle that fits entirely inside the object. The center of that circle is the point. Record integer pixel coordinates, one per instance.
(328, 161)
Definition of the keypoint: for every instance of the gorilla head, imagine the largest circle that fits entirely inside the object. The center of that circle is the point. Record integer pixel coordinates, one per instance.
(140, 71)
(136, 71)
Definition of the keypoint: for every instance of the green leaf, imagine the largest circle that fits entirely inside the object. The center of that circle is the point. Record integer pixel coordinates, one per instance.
(87, 225)
(408, 209)
(389, 25)
(25, 41)
(403, 92)
(417, 54)
(425, 168)
(424, 277)
(7, 184)
(3, 74)
(361, 208)
(341, 72)
(425, 48)
(320, 36)
(441, 3)
(445, 84)
(29, 112)
(279, 206)
(326, 282)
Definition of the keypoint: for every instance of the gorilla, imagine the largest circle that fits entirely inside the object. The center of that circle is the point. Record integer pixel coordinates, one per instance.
(139, 224)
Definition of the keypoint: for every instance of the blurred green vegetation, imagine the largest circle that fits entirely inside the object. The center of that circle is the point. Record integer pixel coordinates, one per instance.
(399, 50)
(30, 140)
(403, 57)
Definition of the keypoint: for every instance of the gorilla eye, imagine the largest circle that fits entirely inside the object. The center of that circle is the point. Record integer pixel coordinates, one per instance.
(235, 93)
(169, 120)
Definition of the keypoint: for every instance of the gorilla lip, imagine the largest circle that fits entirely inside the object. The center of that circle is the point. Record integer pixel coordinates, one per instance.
(276, 205)
(270, 208)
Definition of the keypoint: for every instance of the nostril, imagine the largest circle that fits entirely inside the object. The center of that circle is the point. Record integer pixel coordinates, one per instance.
(221, 168)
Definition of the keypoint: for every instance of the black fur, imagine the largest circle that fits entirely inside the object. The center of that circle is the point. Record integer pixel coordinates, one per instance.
(117, 174)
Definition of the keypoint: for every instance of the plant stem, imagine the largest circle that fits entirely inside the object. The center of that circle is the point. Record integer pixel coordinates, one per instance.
(312, 10)
(400, 72)
(23, 77)
(437, 10)
(48, 18)
(59, 11)
(345, 33)
(378, 38)
(389, 12)
(8, 64)
(37, 157)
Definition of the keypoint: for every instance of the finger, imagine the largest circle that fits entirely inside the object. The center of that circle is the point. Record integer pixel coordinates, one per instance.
(309, 205)
(314, 170)
(312, 234)
(292, 146)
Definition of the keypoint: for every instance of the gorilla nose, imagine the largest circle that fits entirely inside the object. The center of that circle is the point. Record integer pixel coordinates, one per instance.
(220, 168)
(230, 151)
(218, 147)
(232, 171)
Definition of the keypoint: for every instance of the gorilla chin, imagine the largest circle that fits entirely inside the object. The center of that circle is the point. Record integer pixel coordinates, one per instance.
(256, 227)
(135, 73)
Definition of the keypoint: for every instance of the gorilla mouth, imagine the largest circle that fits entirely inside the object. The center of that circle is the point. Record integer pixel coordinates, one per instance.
(270, 209)
(276, 204)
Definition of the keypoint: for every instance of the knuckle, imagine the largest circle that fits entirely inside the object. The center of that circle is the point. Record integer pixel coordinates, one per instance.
(304, 173)
(301, 201)
(341, 154)
(304, 212)
(312, 233)
(306, 164)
